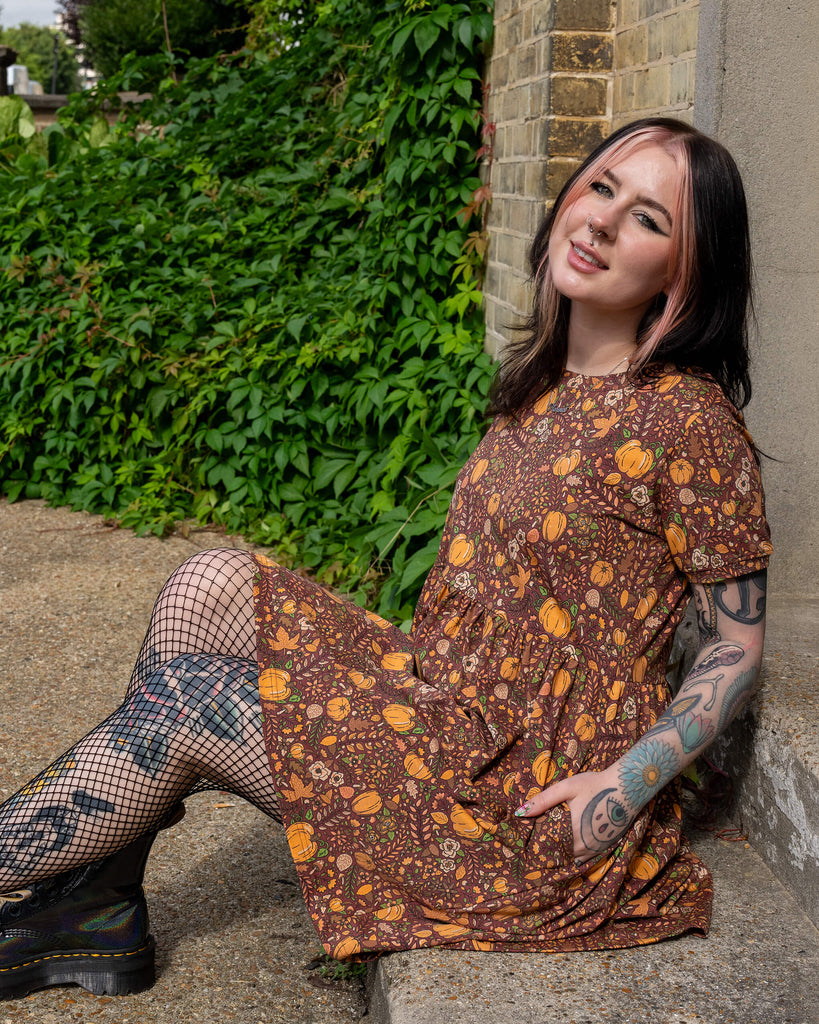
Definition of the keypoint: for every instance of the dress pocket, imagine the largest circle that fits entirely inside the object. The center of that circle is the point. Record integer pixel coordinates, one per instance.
(557, 834)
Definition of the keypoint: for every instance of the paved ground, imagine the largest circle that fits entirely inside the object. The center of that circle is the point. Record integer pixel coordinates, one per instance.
(232, 932)
(231, 928)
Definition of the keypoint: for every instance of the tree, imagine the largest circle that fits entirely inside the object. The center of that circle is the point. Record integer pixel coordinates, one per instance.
(110, 29)
(35, 48)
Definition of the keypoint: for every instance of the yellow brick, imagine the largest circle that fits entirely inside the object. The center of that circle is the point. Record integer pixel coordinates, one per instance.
(573, 96)
(651, 88)
(568, 137)
(680, 31)
(582, 51)
(578, 15)
(630, 47)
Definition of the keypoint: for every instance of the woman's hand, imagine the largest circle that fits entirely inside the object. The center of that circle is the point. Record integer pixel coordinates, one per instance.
(731, 621)
(599, 813)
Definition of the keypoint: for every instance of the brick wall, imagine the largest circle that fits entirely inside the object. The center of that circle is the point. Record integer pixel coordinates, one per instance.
(655, 50)
(563, 74)
(551, 90)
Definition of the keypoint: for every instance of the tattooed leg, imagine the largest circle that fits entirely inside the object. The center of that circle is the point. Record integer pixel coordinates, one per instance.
(194, 723)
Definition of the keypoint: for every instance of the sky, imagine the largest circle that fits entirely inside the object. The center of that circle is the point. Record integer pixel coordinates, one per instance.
(36, 12)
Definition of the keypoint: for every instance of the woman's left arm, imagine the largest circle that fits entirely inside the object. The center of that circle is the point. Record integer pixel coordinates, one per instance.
(731, 622)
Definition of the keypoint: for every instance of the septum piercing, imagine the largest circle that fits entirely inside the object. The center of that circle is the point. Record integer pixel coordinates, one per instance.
(592, 232)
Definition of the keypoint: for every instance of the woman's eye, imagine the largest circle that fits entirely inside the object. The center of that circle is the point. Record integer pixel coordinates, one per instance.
(601, 188)
(648, 222)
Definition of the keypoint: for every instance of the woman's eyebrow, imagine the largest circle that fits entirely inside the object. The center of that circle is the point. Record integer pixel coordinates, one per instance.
(645, 200)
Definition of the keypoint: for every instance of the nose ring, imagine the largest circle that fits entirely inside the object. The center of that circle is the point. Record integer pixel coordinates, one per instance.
(592, 231)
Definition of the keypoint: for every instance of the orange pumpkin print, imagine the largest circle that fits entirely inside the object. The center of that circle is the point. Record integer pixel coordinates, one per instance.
(510, 667)
(369, 802)
(634, 460)
(535, 654)
(300, 840)
(461, 550)
(566, 463)
(273, 684)
(645, 604)
(554, 619)
(464, 824)
(681, 471)
(396, 661)
(338, 708)
(393, 913)
(416, 767)
(561, 683)
(544, 768)
(346, 948)
(400, 717)
(602, 573)
(675, 535)
(644, 866)
(554, 524)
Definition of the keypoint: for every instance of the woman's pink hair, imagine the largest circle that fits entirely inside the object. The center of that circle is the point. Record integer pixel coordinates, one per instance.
(683, 262)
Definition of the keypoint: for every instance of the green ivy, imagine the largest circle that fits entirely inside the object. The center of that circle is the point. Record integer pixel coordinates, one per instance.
(238, 303)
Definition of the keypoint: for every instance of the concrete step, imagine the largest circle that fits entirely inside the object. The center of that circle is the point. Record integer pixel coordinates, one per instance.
(772, 753)
(759, 965)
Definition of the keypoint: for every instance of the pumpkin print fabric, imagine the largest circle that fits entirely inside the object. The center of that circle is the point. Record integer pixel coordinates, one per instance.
(537, 651)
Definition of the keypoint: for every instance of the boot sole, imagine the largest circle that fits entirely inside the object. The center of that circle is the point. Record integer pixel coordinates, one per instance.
(115, 974)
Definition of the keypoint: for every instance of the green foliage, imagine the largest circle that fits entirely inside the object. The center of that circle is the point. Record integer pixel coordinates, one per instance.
(35, 48)
(111, 29)
(246, 315)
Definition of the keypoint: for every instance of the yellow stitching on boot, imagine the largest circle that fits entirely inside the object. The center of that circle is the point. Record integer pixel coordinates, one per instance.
(69, 956)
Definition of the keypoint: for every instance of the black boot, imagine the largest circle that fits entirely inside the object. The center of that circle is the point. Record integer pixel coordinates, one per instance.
(86, 927)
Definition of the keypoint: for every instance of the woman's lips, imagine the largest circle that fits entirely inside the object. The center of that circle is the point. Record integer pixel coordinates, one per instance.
(584, 258)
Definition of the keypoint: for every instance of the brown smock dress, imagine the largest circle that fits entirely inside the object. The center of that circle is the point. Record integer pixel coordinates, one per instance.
(538, 650)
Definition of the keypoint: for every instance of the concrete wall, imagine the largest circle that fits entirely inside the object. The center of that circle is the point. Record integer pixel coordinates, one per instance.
(756, 71)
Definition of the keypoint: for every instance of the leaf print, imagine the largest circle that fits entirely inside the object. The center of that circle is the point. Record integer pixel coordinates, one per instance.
(298, 790)
(419, 844)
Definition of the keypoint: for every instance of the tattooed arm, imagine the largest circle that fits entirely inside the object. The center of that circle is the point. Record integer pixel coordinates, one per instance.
(731, 622)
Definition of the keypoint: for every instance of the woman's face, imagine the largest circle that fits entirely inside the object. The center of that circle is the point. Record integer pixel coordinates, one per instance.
(629, 205)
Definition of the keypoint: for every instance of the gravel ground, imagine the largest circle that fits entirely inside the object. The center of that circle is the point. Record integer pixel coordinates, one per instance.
(232, 932)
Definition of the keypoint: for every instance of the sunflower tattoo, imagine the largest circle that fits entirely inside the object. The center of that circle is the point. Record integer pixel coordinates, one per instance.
(645, 770)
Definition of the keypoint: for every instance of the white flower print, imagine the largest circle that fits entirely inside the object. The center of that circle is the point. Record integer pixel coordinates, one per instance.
(640, 495)
(320, 771)
(461, 581)
(447, 865)
(336, 779)
(630, 707)
(613, 397)
(449, 847)
(743, 483)
(699, 558)
(470, 662)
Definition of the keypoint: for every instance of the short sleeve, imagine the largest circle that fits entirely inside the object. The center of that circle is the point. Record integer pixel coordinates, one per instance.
(711, 499)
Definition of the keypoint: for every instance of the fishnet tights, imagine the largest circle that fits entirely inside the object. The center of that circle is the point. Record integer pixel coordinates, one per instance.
(190, 720)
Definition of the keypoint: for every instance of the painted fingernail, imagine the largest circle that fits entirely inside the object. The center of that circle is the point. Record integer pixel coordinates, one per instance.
(519, 813)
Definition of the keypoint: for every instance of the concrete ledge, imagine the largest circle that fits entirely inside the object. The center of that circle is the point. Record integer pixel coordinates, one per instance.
(772, 754)
(759, 965)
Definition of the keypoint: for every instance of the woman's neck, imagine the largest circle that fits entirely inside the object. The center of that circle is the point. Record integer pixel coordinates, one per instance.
(600, 344)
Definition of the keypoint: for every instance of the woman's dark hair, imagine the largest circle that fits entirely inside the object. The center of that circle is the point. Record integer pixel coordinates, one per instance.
(701, 322)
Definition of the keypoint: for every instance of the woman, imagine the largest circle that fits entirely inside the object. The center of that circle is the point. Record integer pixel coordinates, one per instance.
(503, 777)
